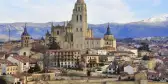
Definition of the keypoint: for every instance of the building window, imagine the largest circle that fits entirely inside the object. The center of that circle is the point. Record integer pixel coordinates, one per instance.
(78, 8)
(24, 53)
(77, 29)
(81, 29)
(81, 18)
(57, 32)
(107, 43)
(24, 63)
(77, 18)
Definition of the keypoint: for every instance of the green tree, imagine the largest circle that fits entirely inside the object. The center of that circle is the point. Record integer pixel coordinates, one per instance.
(31, 70)
(144, 46)
(2, 81)
(53, 45)
(37, 68)
(34, 69)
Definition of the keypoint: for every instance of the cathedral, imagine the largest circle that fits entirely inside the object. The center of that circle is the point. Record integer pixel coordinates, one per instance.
(76, 34)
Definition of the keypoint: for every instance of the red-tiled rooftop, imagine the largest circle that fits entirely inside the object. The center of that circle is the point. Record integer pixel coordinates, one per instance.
(106, 48)
(129, 52)
(92, 38)
(25, 59)
(63, 50)
(6, 62)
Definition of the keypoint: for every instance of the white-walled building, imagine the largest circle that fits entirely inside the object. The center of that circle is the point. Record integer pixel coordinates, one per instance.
(129, 49)
(26, 51)
(97, 52)
(129, 69)
(23, 62)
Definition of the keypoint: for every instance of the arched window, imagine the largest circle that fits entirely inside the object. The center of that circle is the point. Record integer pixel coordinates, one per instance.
(77, 18)
(24, 53)
(57, 32)
(80, 17)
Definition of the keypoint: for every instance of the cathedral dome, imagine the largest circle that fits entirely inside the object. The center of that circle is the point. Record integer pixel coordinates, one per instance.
(108, 35)
(80, 1)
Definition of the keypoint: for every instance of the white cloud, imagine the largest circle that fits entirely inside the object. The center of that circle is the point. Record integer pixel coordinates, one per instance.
(99, 11)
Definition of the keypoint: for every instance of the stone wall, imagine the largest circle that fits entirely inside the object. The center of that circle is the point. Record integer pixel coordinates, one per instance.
(92, 82)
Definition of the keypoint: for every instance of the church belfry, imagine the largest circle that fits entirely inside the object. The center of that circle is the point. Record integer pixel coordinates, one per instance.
(79, 24)
(25, 38)
(76, 34)
(109, 38)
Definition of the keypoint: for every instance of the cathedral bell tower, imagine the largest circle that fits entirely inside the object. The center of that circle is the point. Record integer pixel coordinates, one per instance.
(79, 24)
(109, 38)
(25, 38)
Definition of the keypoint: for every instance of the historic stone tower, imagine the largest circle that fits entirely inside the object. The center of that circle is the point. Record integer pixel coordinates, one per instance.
(25, 38)
(109, 38)
(79, 24)
(47, 38)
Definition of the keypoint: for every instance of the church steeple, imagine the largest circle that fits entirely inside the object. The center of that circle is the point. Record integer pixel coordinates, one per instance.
(108, 32)
(25, 33)
(25, 38)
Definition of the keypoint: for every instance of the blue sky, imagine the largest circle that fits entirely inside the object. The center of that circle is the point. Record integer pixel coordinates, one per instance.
(99, 11)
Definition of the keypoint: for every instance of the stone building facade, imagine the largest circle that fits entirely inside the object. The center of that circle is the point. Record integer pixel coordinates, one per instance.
(75, 34)
(63, 58)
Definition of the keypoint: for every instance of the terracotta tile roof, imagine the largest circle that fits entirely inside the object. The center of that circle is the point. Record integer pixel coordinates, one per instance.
(6, 62)
(2, 54)
(16, 75)
(122, 52)
(24, 59)
(63, 50)
(92, 38)
(105, 48)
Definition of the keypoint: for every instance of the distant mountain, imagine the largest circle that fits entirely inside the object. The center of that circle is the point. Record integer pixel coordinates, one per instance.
(161, 18)
(152, 27)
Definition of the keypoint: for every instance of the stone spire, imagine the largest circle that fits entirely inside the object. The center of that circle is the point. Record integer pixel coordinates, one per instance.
(108, 32)
(47, 34)
(80, 1)
(25, 33)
